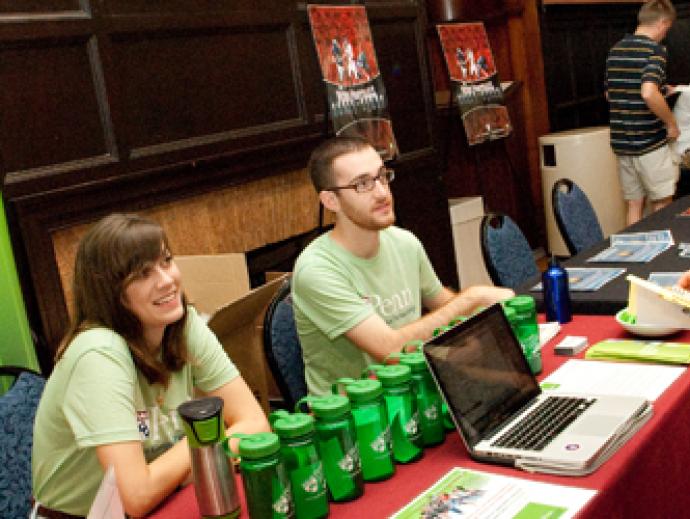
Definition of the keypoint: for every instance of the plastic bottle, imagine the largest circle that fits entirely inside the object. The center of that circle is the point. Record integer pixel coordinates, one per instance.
(428, 399)
(371, 424)
(401, 406)
(554, 282)
(337, 445)
(417, 346)
(304, 467)
(526, 329)
(264, 475)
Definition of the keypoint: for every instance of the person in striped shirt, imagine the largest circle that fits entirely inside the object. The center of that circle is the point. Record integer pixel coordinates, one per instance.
(642, 124)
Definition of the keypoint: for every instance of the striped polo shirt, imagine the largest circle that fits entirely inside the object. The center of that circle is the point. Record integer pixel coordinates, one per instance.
(635, 130)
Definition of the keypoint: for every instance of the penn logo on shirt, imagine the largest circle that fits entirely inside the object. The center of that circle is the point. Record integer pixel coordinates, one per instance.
(393, 305)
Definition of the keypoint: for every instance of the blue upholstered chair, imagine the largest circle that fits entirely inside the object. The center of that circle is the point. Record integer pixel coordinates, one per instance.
(575, 216)
(282, 347)
(17, 411)
(508, 257)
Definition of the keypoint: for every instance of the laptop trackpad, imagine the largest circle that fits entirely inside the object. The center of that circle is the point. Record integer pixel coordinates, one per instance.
(595, 425)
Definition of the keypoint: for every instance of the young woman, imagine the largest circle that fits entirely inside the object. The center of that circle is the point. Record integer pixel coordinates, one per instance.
(133, 353)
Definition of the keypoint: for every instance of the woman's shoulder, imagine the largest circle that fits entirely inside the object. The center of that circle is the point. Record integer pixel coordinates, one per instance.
(97, 339)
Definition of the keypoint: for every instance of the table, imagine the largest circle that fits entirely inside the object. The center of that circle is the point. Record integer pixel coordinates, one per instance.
(646, 478)
(614, 295)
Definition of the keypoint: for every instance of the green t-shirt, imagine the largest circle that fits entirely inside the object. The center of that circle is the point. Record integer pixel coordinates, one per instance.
(96, 396)
(334, 290)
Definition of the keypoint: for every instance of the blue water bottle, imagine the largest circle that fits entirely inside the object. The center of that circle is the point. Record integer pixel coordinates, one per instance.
(556, 293)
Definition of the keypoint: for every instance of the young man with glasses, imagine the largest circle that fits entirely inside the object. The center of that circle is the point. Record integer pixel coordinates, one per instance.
(358, 291)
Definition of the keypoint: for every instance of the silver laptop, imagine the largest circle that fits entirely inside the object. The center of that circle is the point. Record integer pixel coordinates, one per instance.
(502, 414)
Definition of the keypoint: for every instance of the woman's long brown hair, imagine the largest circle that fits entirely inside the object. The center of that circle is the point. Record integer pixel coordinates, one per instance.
(110, 256)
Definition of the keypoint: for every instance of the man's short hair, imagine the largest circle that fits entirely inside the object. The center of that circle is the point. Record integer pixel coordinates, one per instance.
(655, 10)
(321, 161)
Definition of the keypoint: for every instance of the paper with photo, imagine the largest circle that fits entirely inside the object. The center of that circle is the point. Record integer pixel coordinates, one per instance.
(662, 235)
(481, 495)
(630, 252)
(584, 279)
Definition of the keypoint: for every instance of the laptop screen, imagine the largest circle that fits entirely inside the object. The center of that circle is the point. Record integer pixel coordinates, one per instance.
(480, 369)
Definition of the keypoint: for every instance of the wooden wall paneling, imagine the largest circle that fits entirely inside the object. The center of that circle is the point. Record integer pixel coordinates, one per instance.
(576, 40)
(183, 110)
(40, 8)
(236, 219)
(531, 113)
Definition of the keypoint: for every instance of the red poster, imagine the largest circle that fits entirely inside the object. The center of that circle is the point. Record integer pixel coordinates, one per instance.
(474, 79)
(356, 94)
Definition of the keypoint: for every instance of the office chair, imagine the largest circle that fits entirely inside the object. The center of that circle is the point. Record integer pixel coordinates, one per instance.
(507, 254)
(17, 411)
(575, 216)
(282, 347)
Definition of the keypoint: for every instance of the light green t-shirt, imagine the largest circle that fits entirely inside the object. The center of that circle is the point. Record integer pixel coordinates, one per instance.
(334, 290)
(96, 396)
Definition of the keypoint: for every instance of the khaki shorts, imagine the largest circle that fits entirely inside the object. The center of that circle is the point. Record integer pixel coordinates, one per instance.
(652, 175)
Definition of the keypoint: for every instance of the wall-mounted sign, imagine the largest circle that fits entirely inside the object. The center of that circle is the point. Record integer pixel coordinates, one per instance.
(474, 79)
(356, 94)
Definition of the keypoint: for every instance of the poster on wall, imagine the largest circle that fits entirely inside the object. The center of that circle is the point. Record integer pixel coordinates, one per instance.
(474, 81)
(356, 94)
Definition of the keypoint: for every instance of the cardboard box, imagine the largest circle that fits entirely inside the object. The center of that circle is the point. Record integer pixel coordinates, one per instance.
(218, 286)
(466, 217)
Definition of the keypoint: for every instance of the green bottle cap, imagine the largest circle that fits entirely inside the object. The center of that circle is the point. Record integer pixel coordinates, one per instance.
(259, 445)
(415, 361)
(456, 320)
(412, 346)
(521, 303)
(394, 375)
(438, 331)
(364, 390)
(293, 425)
(329, 406)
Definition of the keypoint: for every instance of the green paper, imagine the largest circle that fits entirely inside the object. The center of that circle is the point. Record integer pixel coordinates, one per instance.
(644, 351)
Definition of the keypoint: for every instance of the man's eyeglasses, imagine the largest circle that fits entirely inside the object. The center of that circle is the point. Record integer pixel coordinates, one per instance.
(366, 183)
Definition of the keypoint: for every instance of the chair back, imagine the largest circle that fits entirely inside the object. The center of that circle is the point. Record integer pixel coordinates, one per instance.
(282, 347)
(575, 216)
(17, 412)
(508, 257)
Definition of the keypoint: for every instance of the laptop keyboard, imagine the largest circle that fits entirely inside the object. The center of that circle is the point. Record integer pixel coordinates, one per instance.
(541, 425)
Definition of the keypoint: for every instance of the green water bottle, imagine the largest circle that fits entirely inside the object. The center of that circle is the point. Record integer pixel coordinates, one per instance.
(371, 425)
(416, 346)
(304, 467)
(337, 445)
(526, 328)
(401, 406)
(428, 398)
(263, 475)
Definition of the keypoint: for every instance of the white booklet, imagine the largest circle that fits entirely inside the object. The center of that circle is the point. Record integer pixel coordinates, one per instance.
(587, 279)
(465, 493)
(600, 377)
(635, 247)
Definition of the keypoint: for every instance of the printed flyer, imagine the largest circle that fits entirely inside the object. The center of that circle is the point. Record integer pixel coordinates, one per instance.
(474, 80)
(356, 94)
(464, 493)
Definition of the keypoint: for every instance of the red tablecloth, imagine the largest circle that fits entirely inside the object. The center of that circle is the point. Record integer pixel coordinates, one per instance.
(647, 478)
